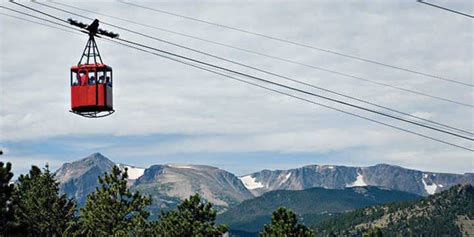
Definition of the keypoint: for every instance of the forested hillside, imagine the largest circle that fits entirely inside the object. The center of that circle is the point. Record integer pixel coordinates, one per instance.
(311, 205)
(450, 213)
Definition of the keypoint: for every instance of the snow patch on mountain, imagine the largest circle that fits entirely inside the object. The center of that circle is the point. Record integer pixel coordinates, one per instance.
(181, 166)
(358, 182)
(133, 172)
(430, 189)
(250, 183)
(287, 176)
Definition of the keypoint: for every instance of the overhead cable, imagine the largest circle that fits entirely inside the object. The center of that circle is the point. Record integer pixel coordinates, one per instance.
(445, 8)
(346, 55)
(263, 80)
(379, 83)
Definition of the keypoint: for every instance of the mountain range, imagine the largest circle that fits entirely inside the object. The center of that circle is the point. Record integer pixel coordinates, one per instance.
(170, 183)
(167, 184)
(339, 177)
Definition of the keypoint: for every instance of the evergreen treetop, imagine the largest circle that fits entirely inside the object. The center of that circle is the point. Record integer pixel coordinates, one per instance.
(39, 209)
(193, 217)
(6, 192)
(284, 223)
(113, 209)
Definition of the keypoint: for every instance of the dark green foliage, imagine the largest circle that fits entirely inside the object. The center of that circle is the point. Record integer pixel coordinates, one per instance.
(436, 215)
(312, 205)
(193, 217)
(347, 221)
(113, 210)
(284, 223)
(38, 208)
(33, 207)
(6, 192)
(375, 232)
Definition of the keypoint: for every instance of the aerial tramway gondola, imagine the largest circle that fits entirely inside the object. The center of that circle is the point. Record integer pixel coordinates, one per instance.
(91, 79)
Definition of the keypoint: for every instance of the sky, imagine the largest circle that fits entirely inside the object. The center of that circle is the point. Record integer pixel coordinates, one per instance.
(167, 112)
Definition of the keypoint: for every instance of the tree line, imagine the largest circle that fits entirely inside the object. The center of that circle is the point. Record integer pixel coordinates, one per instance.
(34, 206)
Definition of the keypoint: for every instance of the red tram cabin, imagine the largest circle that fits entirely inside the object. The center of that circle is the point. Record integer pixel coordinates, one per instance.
(91, 79)
(91, 89)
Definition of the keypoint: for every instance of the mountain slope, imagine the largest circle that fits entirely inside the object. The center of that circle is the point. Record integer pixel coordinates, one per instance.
(449, 213)
(168, 184)
(79, 178)
(338, 177)
(310, 205)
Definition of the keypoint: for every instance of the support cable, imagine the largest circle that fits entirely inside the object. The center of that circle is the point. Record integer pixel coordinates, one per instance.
(270, 73)
(358, 58)
(253, 52)
(446, 9)
(299, 98)
(373, 120)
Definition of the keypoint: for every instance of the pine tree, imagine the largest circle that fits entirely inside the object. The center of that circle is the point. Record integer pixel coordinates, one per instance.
(113, 210)
(192, 217)
(373, 232)
(39, 210)
(6, 191)
(284, 223)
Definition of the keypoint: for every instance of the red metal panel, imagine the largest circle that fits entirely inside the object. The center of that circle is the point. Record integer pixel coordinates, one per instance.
(101, 95)
(91, 97)
(75, 96)
(90, 92)
(83, 96)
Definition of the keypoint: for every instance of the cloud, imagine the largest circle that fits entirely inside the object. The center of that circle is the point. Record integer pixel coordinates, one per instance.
(440, 161)
(154, 96)
(22, 164)
(317, 141)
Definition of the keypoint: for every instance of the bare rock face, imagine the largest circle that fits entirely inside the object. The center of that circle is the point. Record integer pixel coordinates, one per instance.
(338, 177)
(79, 178)
(168, 184)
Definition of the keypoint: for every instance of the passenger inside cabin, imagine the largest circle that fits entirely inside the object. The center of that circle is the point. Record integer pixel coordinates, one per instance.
(82, 78)
(108, 81)
(91, 80)
(75, 80)
(101, 79)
